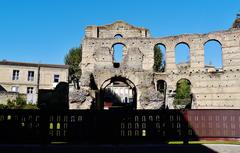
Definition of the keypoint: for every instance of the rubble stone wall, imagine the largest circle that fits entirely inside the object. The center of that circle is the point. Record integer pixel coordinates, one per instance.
(215, 90)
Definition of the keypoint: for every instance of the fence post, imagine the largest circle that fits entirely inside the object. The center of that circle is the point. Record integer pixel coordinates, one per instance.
(185, 127)
(44, 116)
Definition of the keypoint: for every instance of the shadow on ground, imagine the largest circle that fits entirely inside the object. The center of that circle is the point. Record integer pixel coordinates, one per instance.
(105, 149)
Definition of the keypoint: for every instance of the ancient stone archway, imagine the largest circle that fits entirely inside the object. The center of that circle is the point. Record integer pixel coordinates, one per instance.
(183, 98)
(218, 88)
(162, 88)
(117, 93)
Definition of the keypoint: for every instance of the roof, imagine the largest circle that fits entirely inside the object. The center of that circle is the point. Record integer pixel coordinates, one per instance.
(4, 62)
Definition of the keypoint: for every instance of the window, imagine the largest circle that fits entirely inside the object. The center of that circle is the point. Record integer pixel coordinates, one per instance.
(118, 36)
(121, 90)
(159, 58)
(30, 75)
(56, 78)
(14, 89)
(118, 52)
(213, 55)
(126, 91)
(182, 53)
(29, 90)
(15, 75)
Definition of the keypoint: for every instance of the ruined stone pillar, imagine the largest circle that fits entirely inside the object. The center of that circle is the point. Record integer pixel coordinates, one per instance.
(197, 55)
(170, 59)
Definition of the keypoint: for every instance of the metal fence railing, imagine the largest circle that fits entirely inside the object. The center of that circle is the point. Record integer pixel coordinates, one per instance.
(117, 126)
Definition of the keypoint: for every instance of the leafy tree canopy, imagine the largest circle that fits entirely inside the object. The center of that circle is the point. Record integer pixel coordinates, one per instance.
(183, 89)
(73, 59)
(158, 60)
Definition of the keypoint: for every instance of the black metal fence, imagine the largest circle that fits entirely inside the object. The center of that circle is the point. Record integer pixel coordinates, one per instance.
(117, 126)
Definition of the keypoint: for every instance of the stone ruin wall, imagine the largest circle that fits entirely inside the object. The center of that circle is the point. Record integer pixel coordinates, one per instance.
(220, 90)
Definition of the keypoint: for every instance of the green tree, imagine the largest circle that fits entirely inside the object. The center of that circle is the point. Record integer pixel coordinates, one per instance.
(183, 89)
(10, 104)
(183, 94)
(73, 59)
(158, 60)
(20, 101)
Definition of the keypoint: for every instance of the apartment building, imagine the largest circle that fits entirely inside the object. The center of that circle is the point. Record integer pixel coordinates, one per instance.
(28, 78)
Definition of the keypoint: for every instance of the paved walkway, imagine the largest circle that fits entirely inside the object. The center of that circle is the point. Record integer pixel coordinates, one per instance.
(223, 148)
(206, 148)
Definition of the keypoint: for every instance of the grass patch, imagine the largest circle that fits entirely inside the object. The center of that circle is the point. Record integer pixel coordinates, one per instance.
(59, 142)
(206, 142)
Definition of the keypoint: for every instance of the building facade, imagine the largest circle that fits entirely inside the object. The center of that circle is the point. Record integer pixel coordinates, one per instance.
(118, 94)
(28, 78)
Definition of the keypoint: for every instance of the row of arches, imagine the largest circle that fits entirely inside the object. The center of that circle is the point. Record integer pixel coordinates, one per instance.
(121, 93)
(183, 96)
(212, 54)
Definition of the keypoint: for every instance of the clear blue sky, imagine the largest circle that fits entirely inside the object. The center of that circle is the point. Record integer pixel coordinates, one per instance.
(44, 30)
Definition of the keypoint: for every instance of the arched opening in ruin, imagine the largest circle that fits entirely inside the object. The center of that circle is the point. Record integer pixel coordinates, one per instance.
(162, 88)
(118, 52)
(182, 54)
(213, 55)
(118, 93)
(118, 36)
(159, 58)
(183, 97)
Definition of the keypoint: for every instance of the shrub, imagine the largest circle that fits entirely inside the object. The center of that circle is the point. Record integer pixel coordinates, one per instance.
(2, 106)
(20, 101)
(10, 104)
(30, 106)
